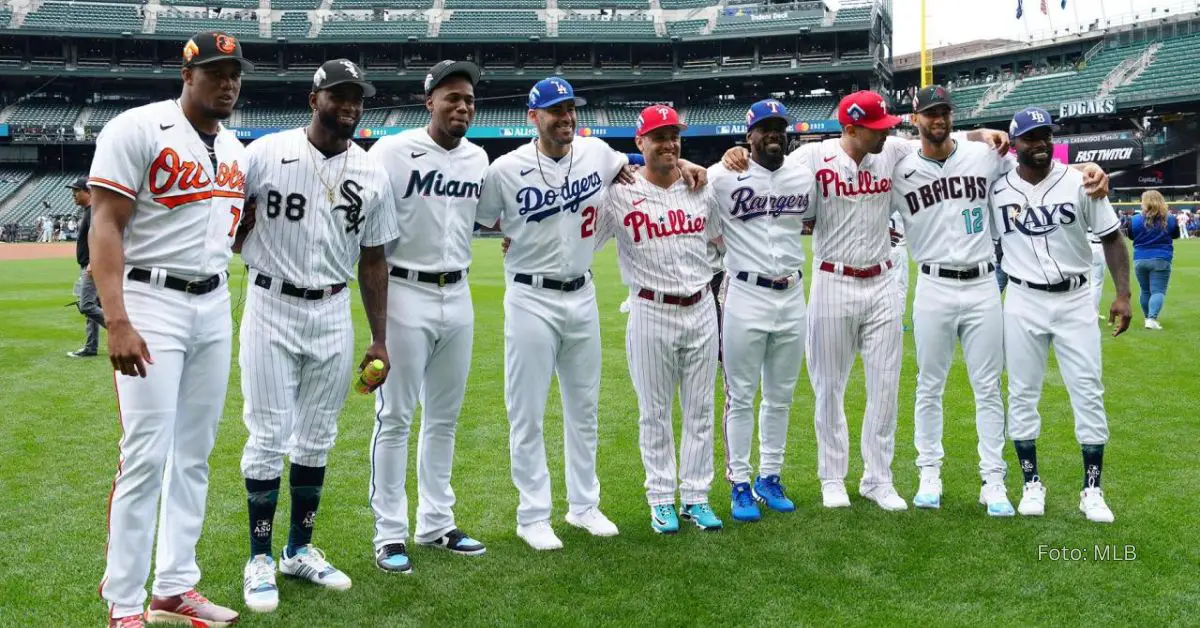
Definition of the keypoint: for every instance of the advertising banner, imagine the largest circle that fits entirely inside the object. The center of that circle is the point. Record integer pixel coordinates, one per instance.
(1108, 150)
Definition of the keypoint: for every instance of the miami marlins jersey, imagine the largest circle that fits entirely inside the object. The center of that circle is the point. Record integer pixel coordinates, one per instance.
(436, 192)
(1043, 228)
(547, 207)
(762, 213)
(186, 208)
(300, 234)
(662, 235)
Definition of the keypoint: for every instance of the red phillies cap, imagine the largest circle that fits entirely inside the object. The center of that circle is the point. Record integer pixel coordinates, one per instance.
(866, 109)
(656, 116)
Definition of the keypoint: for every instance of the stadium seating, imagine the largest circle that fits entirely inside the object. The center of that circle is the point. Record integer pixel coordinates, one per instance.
(291, 24)
(723, 113)
(603, 4)
(389, 4)
(623, 116)
(814, 108)
(232, 4)
(44, 113)
(51, 188)
(851, 15)
(103, 112)
(295, 5)
(686, 4)
(274, 117)
(1174, 67)
(1052, 89)
(965, 99)
(415, 116)
(807, 20)
(11, 178)
(500, 116)
(595, 27)
(180, 24)
(498, 24)
(373, 117)
(495, 4)
(685, 27)
(399, 26)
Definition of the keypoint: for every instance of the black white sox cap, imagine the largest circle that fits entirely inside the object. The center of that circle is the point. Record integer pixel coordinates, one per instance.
(339, 71)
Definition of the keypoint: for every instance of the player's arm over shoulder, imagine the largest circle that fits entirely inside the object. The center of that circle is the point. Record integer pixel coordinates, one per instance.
(492, 195)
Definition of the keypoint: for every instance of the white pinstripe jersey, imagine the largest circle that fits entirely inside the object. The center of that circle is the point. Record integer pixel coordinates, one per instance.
(662, 234)
(436, 192)
(185, 211)
(762, 213)
(299, 235)
(1043, 228)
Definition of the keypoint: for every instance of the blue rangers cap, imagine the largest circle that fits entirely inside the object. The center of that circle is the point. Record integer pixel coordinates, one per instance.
(1029, 119)
(765, 110)
(551, 91)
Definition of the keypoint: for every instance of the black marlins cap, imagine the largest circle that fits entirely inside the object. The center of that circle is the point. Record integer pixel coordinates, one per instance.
(213, 46)
(339, 71)
(445, 69)
(932, 96)
(80, 183)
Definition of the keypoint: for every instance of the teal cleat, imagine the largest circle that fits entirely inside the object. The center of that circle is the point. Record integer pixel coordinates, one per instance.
(703, 516)
(663, 519)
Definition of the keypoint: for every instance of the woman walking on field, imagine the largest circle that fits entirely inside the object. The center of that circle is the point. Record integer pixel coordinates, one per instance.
(1152, 232)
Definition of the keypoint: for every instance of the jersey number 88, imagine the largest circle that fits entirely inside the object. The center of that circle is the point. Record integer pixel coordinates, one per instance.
(292, 208)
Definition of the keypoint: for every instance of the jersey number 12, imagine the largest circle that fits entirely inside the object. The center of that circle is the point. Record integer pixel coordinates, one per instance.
(973, 218)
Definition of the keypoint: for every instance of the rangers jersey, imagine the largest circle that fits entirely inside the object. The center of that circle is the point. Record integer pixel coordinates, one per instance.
(762, 214)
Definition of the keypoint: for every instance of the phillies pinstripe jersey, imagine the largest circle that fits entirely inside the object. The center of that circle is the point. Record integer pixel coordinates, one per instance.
(662, 234)
(762, 214)
(436, 192)
(300, 234)
(186, 208)
(1043, 228)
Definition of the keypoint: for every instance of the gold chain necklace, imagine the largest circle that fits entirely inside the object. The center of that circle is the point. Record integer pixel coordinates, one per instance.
(328, 188)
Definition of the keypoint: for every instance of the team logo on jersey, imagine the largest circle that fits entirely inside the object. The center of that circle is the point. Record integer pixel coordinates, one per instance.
(946, 188)
(171, 173)
(675, 222)
(538, 204)
(864, 184)
(352, 205)
(747, 205)
(1037, 221)
(433, 184)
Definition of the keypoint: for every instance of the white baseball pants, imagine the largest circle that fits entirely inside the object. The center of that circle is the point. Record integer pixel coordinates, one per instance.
(899, 271)
(1097, 278)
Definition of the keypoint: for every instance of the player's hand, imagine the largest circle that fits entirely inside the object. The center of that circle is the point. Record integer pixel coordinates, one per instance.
(737, 159)
(1120, 313)
(625, 176)
(377, 351)
(1095, 181)
(694, 176)
(504, 244)
(126, 349)
(998, 140)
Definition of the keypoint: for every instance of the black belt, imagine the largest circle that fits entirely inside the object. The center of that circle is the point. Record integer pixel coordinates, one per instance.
(292, 290)
(441, 279)
(948, 273)
(553, 284)
(202, 286)
(1063, 286)
(777, 284)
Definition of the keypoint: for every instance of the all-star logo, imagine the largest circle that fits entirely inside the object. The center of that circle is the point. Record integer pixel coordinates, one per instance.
(1093, 474)
(262, 528)
(309, 519)
(855, 112)
(1027, 465)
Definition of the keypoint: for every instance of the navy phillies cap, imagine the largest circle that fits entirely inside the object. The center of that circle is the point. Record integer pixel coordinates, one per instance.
(445, 69)
(551, 91)
(211, 47)
(1029, 119)
(765, 110)
(932, 96)
(339, 71)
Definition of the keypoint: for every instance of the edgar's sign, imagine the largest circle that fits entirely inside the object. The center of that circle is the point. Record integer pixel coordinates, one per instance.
(1095, 107)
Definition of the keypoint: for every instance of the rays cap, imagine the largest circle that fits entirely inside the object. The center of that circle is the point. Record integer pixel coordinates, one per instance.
(656, 117)
(766, 110)
(341, 71)
(551, 91)
(1029, 119)
(445, 69)
(211, 47)
(80, 183)
(866, 109)
(932, 96)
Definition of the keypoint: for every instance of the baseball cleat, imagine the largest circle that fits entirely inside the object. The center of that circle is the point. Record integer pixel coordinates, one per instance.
(129, 621)
(1033, 499)
(886, 497)
(768, 490)
(81, 353)
(457, 542)
(929, 494)
(663, 519)
(593, 521)
(258, 584)
(703, 516)
(994, 495)
(741, 503)
(1152, 324)
(540, 536)
(393, 558)
(309, 564)
(834, 495)
(1091, 503)
(189, 609)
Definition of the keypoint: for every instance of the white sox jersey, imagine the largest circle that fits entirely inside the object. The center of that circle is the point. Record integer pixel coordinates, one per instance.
(549, 207)
(762, 214)
(299, 234)
(186, 208)
(1043, 227)
(436, 192)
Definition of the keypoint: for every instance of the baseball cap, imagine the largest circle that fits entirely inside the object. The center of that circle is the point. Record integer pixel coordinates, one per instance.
(551, 91)
(339, 71)
(211, 47)
(765, 110)
(932, 96)
(1029, 119)
(80, 183)
(445, 69)
(866, 109)
(657, 116)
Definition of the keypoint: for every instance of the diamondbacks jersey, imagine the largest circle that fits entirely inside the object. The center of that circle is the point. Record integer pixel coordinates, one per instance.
(548, 207)
(314, 213)
(1043, 227)
(662, 234)
(762, 214)
(186, 209)
(436, 193)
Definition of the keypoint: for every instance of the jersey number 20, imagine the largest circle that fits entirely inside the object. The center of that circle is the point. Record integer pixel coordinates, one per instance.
(973, 219)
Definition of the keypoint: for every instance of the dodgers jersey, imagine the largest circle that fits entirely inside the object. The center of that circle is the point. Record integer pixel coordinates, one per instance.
(762, 214)
(300, 235)
(662, 234)
(548, 207)
(185, 209)
(1043, 228)
(436, 192)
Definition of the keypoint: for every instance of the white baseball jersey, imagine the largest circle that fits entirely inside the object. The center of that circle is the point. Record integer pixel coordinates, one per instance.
(300, 235)
(896, 226)
(186, 208)
(762, 214)
(436, 193)
(1043, 227)
(548, 207)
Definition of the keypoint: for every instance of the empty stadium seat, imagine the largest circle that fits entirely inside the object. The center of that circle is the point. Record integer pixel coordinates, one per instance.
(686, 4)
(232, 4)
(44, 113)
(593, 27)
(416, 26)
(1174, 67)
(59, 16)
(50, 188)
(850, 15)
(500, 116)
(793, 21)
(495, 4)
(11, 178)
(1050, 90)
(685, 27)
(185, 25)
(389, 4)
(604, 4)
(497, 24)
(291, 24)
(297, 5)
(275, 117)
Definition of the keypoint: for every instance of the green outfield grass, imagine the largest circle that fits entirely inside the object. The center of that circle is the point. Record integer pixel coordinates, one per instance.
(857, 566)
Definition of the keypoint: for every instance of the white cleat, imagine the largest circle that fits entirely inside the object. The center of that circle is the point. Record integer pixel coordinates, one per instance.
(258, 584)
(833, 495)
(886, 497)
(1033, 499)
(309, 564)
(540, 536)
(1091, 503)
(929, 495)
(593, 521)
(994, 495)
(1152, 323)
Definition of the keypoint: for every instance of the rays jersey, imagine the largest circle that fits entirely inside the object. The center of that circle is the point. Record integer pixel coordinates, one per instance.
(762, 213)
(301, 234)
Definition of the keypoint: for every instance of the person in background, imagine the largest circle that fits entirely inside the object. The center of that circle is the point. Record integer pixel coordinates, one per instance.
(1184, 219)
(89, 302)
(1152, 232)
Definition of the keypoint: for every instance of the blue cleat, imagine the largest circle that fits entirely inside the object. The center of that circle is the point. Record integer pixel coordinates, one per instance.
(703, 516)
(393, 558)
(769, 491)
(663, 519)
(742, 504)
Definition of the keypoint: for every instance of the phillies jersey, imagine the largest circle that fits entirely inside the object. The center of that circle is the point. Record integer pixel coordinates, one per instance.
(185, 208)
(762, 215)
(436, 192)
(662, 234)
(548, 207)
(1043, 228)
(299, 234)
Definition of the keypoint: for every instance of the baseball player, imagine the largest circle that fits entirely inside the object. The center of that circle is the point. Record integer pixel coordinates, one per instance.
(762, 211)
(88, 305)
(167, 186)
(1042, 215)
(663, 231)
(436, 175)
(319, 204)
(544, 195)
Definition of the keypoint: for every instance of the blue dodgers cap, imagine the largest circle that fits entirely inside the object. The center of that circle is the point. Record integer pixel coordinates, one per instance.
(765, 110)
(551, 91)
(1029, 119)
